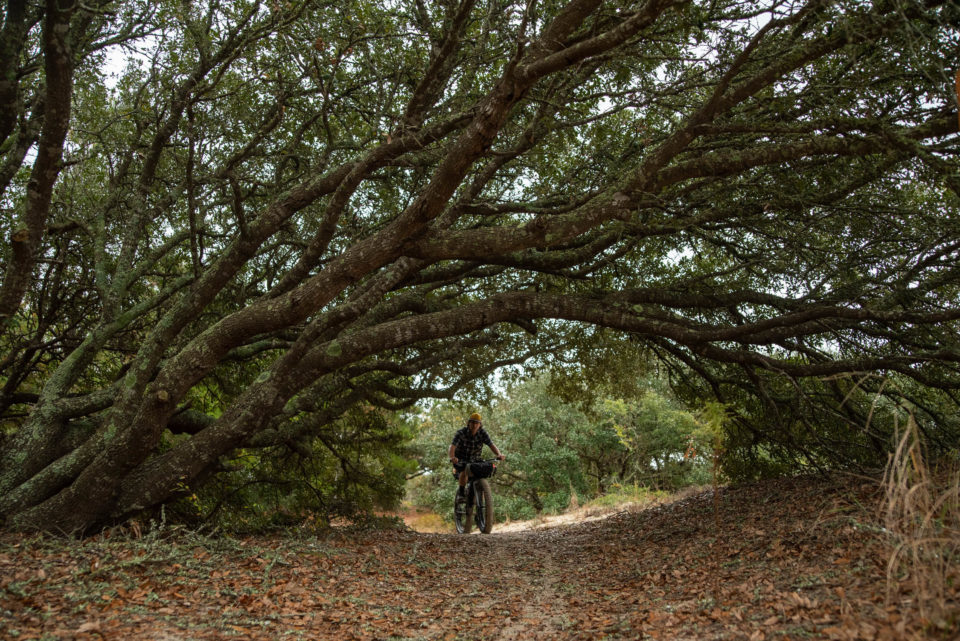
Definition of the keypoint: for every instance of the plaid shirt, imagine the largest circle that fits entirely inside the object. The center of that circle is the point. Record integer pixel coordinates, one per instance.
(469, 446)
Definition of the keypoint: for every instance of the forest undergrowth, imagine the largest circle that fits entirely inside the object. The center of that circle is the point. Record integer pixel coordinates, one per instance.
(800, 558)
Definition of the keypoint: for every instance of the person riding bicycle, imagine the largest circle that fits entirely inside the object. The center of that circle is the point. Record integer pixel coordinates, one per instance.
(467, 446)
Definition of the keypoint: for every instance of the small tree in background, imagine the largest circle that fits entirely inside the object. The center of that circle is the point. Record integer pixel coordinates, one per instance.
(655, 434)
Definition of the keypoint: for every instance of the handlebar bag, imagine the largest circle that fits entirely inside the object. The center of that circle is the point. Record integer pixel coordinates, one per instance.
(482, 470)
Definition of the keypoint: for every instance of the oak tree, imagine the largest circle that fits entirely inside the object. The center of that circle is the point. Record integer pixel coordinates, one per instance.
(275, 212)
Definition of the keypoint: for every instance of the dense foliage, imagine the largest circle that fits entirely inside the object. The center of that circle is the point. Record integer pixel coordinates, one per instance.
(229, 226)
(355, 466)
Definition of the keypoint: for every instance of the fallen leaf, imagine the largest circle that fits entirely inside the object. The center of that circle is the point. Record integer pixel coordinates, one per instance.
(89, 626)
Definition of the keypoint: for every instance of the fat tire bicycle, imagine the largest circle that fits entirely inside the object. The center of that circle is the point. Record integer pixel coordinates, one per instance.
(475, 505)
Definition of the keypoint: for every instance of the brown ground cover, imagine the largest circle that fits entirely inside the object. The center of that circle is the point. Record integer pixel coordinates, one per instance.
(789, 559)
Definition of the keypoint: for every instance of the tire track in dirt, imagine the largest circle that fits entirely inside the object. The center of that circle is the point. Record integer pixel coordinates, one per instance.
(531, 576)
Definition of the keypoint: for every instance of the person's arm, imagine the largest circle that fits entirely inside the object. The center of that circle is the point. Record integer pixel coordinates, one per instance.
(496, 452)
(451, 453)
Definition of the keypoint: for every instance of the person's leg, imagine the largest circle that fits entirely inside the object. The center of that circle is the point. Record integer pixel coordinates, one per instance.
(460, 472)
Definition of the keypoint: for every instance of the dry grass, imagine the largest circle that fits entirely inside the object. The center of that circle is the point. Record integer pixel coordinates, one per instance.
(921, 513)
(421, 520)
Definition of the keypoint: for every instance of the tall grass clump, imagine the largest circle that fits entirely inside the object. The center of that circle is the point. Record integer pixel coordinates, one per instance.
(920, 510)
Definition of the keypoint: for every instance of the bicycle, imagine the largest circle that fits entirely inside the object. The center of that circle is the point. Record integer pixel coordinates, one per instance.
(476, 503)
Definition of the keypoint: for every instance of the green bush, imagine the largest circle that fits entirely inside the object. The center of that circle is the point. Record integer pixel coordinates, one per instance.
(620, 495)
(355, 466)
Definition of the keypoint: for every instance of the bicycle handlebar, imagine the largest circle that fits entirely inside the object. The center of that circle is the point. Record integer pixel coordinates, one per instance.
(482, 460)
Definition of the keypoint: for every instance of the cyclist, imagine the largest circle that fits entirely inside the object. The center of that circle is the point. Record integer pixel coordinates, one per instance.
(467, 445)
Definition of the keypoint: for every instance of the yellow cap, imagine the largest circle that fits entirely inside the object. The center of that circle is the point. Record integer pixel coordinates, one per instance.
(475, 417)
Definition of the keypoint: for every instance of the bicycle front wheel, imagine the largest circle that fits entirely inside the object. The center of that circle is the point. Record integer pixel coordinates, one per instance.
(461, 515)
(484, 508)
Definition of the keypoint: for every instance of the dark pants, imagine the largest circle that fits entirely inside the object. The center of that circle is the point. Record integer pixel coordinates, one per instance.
(459, 467)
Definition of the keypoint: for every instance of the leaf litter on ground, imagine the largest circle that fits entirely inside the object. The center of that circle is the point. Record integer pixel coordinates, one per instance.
(797, 558)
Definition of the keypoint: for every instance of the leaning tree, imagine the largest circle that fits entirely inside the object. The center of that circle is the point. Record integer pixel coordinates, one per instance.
(228, 223)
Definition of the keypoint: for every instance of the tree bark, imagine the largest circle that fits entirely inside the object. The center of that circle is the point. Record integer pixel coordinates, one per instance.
(58, 68)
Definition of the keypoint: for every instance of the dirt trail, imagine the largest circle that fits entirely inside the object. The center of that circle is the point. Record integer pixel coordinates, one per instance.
(530, 574)
(793, 559)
